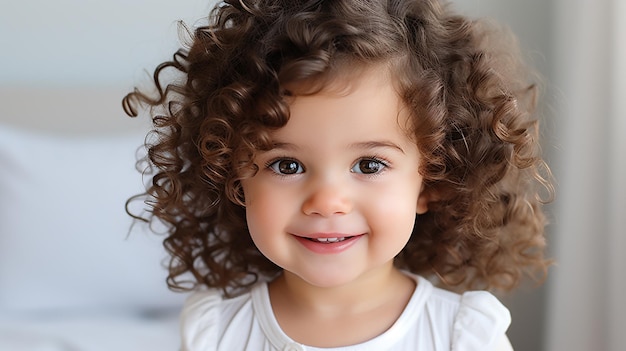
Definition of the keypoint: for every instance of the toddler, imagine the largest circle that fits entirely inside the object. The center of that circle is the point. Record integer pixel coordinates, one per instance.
(345, 175)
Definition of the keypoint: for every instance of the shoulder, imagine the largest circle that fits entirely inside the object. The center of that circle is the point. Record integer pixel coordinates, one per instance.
(476, 320)
(204, 315)
(481, 322)
(198, 320)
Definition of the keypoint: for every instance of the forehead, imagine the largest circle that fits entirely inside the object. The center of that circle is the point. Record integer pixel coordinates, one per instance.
(357, 106)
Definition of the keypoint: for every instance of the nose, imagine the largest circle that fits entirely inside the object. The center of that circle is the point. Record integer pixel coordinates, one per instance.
(326, 199)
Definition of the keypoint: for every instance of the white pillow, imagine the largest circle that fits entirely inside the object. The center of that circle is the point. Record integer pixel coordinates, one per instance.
(64, 232)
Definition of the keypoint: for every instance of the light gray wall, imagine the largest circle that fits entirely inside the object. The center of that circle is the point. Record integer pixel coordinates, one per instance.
(88, 42)
(65, 65)
(587, 309)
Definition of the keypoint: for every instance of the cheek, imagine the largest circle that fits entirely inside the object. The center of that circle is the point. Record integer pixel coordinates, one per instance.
(264, 207)
(266, 224)
(401, 192)
(396, 207)
(259, 217)
(261, 225)
(398, 217)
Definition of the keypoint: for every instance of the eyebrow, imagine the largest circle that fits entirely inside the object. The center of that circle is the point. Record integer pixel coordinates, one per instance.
(284, 146)
(367, 145)
(376, 144)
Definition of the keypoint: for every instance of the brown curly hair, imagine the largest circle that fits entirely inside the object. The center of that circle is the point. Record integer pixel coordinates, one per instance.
(472, 108)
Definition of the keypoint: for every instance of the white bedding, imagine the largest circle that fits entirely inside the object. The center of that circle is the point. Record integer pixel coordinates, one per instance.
(73, 277)
(89, 332)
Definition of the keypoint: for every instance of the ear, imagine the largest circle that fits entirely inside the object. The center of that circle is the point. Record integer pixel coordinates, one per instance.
(425, 197)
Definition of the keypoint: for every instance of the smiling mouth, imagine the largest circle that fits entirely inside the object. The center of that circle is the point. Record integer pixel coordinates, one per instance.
(328, 244)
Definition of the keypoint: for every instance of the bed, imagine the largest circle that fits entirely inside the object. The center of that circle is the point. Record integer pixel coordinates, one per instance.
(75, 273)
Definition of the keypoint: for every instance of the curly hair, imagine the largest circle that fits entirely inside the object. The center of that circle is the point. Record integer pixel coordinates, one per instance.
(471, 103)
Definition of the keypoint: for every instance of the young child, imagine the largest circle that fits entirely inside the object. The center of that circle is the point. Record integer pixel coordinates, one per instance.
(326, 168)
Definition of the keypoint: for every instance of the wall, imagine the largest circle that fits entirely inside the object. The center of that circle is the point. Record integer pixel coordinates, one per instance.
(65, 65)
(586, 303)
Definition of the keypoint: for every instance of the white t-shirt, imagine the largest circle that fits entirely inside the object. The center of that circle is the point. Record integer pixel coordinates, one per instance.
(434, 319)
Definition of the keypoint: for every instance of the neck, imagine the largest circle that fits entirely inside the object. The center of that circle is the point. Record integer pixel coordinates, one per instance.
(369, 291)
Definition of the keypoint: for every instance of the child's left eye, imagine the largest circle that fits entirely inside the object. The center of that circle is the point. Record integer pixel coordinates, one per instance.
(368, 166)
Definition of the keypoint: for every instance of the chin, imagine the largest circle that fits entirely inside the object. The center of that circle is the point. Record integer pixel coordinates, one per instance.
(326, 279)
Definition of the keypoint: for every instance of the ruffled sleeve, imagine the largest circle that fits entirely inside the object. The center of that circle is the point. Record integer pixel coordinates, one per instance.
(198, 321)
(481, 322)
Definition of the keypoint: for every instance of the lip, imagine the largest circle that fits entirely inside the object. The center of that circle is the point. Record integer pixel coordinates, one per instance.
(328, 247)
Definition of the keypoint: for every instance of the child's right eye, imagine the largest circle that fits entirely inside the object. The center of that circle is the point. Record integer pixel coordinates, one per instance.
(285, 166)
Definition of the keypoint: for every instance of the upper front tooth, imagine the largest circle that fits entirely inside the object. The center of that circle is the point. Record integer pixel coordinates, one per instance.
(328, 240)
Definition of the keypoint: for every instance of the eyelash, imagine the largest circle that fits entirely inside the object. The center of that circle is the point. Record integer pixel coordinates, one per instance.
(379, 160)
(270, 165)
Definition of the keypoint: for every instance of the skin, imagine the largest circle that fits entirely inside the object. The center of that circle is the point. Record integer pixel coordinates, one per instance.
(343, 166)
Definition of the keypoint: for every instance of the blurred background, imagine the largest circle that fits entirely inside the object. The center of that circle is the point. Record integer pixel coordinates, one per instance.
(64, 67)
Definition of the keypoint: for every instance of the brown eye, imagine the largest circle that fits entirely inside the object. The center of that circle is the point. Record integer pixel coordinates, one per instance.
(286, 166)
(368, 166)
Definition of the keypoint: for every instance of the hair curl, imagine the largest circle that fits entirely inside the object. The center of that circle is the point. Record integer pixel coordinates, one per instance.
(472, 110)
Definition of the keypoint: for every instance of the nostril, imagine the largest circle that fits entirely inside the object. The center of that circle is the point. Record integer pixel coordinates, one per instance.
(326, 206)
